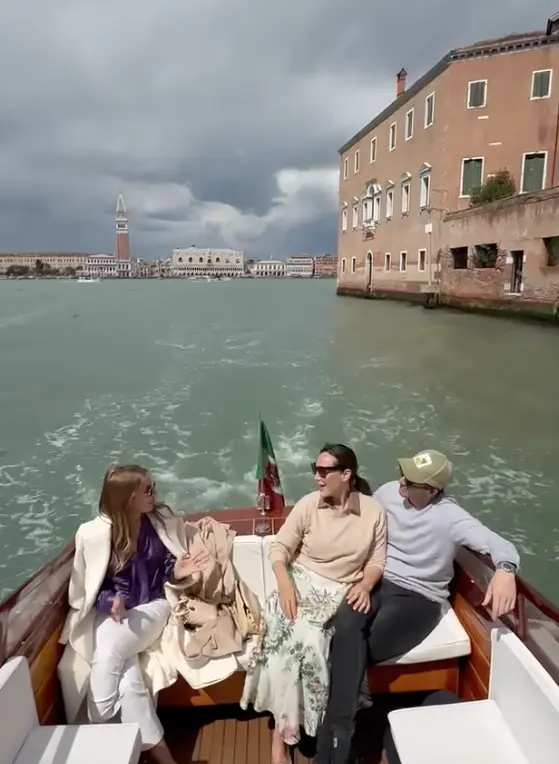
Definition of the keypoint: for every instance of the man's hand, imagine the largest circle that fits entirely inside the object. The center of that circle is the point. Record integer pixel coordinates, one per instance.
(359, 597)
(501, 593)
(117, 608)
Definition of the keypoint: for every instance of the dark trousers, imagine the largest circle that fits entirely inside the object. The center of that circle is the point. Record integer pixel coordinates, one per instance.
(397, 621)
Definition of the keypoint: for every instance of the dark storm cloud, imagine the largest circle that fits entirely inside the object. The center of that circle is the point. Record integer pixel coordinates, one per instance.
(219, 121)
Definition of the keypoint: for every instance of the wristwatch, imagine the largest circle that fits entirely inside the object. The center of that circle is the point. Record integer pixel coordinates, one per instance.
(508, 567)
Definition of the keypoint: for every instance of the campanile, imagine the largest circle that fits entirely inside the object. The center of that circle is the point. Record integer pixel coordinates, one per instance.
(122, 248)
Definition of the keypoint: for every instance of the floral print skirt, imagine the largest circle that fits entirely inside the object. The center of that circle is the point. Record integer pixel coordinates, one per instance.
(288, 672)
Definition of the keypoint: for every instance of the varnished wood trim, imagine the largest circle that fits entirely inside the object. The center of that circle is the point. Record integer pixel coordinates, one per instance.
(181, 694)
(44, 679)
(415, 677)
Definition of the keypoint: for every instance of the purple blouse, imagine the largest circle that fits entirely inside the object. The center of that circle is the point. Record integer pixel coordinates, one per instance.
(142, 578)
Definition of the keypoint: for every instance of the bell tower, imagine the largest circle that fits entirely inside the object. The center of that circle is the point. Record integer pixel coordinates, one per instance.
(122, 247)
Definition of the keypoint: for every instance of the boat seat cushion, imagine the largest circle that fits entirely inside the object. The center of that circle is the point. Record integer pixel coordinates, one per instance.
(448, 639)
(82, 744)
(464, 733)
(247, 561)
(23, 741)
(518, 724)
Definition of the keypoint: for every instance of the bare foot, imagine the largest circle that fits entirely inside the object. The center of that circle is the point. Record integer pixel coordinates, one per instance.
(280, 750)
(160, 754)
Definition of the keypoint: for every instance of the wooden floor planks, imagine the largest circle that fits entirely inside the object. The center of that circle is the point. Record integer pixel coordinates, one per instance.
(226, 735)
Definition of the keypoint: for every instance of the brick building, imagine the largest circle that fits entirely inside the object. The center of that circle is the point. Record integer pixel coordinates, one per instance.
(489, 106)
(325, 266)
(503, 255)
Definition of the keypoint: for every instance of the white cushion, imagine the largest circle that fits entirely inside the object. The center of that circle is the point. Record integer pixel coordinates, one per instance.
(270, 583)
(18, 714)
(518, 724)
(247, 560)
(83, 744)
(527, 696)
(461, 733)
(448, 640)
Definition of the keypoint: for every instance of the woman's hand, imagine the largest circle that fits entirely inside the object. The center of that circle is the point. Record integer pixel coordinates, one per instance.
(288, 598)
(187, 565)
(359, 597)
(117, 608)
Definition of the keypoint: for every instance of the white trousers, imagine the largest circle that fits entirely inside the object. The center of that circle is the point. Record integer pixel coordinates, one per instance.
(116, 683)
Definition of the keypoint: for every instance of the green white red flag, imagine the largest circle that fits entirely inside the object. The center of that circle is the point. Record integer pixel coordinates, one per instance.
(269, 484)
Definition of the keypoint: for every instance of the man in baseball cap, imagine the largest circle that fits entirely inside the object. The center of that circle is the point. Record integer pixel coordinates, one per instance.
(426, 529)
(427, 468)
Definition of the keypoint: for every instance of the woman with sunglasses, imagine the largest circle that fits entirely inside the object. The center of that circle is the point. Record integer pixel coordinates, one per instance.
(332, 545)
(117, 605)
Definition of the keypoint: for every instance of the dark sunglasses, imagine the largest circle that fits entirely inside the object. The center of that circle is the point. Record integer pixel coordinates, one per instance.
(323, 471)
(409, 484)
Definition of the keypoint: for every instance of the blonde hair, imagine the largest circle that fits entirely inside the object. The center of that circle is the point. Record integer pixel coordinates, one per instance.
(120, 485)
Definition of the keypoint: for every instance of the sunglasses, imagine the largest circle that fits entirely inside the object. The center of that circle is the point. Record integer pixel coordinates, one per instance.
(324, 471)
(409, 484)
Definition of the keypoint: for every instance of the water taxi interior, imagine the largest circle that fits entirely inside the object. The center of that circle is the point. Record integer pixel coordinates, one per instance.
(464, 654)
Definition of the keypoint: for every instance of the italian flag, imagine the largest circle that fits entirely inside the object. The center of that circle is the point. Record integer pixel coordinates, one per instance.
(267, 474)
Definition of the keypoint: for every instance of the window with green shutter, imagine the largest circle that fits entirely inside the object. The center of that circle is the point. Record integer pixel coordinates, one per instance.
(472, 171)
(533, 172)
(541, 84)
(477, 94)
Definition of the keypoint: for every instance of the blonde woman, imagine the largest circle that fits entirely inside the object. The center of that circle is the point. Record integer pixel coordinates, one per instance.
(332, 546)
(117, 606)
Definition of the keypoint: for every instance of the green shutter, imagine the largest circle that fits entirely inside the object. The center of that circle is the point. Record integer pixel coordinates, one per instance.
(541, 85)
(471, 176)
(533, 172)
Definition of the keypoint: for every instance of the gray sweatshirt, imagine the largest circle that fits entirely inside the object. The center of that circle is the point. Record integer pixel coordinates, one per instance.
(423, 543)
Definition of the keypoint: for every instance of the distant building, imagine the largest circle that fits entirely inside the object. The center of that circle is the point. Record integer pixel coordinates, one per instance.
(105, 267)
(268, 268)
(299, 266)
(207, 262)
(56, 260)
(161, 268)
(325, 267)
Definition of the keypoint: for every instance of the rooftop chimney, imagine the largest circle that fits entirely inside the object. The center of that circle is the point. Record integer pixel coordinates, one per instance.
(401, 82)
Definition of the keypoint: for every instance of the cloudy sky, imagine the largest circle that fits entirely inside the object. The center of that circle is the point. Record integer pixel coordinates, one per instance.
(219, 120)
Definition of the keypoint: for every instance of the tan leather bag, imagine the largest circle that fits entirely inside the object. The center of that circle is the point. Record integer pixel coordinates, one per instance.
(246, 610)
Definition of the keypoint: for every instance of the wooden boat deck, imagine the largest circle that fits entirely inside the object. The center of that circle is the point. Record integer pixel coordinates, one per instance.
(227, 735)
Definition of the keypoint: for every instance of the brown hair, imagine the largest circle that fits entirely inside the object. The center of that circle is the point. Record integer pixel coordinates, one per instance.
(120, 485)
(347, 460)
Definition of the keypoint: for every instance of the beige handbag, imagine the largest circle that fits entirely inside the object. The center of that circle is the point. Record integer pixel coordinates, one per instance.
(246, 610)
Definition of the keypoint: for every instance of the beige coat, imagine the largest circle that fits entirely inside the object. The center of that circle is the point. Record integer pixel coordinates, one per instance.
(167, 657)
(91, 560)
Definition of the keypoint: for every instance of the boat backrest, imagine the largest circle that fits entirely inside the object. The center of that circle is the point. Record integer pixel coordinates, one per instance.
(269, 577)
(248, 562)
(527, 696)
(18, 713)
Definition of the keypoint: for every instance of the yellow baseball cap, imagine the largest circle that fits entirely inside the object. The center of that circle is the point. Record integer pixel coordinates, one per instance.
(427, 468)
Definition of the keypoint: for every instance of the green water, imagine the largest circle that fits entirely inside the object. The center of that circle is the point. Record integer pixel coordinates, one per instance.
(174, 374)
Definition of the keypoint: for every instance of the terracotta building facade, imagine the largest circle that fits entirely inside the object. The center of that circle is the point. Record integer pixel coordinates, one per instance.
(483, 108)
